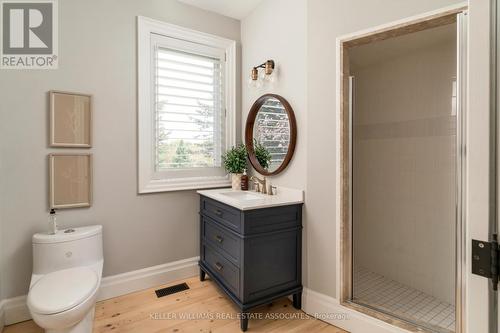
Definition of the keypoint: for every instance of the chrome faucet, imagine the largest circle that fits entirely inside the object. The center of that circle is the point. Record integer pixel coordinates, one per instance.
(259, 184)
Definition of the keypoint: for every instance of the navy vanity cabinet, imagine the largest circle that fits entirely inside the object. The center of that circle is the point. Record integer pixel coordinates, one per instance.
(253, 255)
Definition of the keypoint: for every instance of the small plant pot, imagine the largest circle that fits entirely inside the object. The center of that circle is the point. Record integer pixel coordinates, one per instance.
(236, 181)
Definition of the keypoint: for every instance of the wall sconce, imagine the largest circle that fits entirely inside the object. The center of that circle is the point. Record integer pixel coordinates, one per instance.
(266, 75)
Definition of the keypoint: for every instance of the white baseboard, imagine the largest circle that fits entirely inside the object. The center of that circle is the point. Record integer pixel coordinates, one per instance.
(330, 310)
(2, 320)
(121, 284)
(15, 309)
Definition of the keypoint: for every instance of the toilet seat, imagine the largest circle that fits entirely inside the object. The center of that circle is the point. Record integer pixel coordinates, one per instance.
(62, 290)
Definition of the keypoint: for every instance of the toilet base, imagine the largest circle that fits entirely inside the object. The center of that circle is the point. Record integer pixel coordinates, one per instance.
(84, 326)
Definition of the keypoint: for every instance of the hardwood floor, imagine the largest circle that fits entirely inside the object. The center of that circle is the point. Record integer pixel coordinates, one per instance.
(203, 308)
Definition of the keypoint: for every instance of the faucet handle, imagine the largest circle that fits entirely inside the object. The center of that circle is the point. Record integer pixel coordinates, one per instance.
(271, 190)
(274, 190)
(256, 185)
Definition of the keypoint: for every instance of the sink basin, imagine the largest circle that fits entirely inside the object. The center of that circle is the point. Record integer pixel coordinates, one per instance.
(246, 200)
(243, 196)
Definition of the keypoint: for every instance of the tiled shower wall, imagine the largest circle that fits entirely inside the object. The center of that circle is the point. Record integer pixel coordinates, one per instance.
(404, 171)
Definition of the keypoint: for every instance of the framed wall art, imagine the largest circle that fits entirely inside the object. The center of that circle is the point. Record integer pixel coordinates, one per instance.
(70, 119)
(70, 180)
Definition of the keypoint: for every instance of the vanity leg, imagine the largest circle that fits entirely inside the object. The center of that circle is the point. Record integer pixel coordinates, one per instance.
(202, 275)
(297, 300)
(244, 322)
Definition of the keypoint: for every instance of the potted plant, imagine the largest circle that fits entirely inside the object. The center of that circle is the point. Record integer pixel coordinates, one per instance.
(235, 162)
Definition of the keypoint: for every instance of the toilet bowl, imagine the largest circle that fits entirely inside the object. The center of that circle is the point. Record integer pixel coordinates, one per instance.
(67, 270)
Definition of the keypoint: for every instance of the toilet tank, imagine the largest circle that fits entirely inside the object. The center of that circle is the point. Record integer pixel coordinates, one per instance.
(68, 248)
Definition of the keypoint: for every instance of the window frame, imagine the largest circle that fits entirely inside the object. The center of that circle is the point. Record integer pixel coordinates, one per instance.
(149, 180)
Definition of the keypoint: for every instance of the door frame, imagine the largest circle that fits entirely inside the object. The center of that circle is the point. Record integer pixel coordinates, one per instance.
(422, 22)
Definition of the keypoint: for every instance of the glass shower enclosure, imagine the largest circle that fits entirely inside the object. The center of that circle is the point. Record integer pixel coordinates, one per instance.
(405, 177)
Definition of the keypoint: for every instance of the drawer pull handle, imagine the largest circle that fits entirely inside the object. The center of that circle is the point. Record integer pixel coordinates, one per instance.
(219, 238)
(218, 266)
(218, 212)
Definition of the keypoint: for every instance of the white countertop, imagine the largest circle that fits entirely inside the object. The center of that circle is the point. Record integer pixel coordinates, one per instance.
(255, 200)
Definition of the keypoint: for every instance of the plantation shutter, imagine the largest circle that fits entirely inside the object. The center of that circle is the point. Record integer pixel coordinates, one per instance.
(188, 99)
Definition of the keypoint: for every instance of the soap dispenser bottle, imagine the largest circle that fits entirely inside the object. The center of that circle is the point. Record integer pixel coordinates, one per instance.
(52, 222)
(244, 180)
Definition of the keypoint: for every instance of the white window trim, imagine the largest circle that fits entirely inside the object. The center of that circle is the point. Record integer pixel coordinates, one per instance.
(146, 180)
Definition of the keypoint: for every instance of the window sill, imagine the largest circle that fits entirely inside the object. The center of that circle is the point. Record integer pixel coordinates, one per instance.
(166, 185)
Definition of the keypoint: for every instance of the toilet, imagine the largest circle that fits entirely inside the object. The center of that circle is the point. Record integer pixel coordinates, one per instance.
(67, 270)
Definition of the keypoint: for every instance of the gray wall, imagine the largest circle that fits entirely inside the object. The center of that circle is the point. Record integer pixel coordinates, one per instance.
(97, 41)
(288, 48)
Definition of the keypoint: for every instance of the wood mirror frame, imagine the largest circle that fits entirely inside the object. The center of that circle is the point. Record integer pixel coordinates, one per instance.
(254, 110)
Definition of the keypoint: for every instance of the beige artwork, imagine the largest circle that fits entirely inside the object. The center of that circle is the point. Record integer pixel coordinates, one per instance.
(70, 180)
(70, 120)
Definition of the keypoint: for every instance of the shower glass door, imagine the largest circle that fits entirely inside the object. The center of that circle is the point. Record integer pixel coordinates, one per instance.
(405, 176)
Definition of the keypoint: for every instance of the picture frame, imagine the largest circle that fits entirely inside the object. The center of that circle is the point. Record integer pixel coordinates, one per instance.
(70, 180)
(70, 119)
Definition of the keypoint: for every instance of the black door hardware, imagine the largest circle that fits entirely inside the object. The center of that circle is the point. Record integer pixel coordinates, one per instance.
(485, 259)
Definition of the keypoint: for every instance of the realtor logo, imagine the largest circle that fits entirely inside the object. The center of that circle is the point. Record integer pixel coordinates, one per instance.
(29, 34)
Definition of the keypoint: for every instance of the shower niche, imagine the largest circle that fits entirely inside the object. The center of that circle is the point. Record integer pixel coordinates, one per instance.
(402, 115)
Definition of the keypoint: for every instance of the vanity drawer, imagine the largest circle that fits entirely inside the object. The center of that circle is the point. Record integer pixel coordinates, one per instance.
(221, 213)
(222, 268)
(222, 240)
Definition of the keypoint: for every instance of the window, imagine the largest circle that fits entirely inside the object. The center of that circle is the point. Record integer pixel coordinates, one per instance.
(186, 107)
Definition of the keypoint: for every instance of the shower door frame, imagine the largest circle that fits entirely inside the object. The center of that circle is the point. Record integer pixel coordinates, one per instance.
(454, 14)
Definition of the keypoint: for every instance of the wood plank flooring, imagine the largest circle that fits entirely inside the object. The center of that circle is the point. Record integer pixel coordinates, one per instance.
(203, 308)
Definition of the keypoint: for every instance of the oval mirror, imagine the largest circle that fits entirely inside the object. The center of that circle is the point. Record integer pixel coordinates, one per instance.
(270, 134)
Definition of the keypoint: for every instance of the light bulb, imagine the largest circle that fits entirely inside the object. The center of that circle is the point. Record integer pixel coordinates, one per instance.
(252, 83)
(262, 75)
(271, 78)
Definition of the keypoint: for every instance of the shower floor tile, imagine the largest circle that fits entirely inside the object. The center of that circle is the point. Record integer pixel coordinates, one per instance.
(389, 296)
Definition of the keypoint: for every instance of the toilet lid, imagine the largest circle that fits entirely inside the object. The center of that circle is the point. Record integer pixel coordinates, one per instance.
(62, 290)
